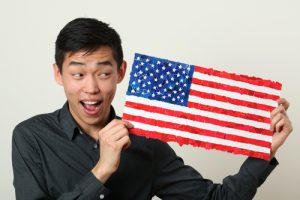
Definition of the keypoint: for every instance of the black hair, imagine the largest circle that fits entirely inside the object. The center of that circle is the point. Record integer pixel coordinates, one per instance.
(87, 34)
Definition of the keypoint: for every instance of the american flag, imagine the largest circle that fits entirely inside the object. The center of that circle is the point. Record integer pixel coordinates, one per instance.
(200, 106)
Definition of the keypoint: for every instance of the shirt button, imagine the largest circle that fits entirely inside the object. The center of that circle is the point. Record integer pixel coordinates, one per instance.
(101, 196)
(95, 146)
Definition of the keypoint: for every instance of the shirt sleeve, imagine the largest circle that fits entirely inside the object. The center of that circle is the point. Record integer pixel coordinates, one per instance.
(29, 179)
(174, 180)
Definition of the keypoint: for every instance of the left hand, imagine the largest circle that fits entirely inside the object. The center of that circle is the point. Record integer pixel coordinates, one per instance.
(281, 125)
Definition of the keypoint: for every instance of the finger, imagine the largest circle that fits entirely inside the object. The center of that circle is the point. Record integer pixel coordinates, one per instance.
(279, 109)
(116, 122)
(121, 133)
(113, 131)
(128, 124)
(284, 102)
(279, 125)
(274, 120)
(110, 125)
(124, 142)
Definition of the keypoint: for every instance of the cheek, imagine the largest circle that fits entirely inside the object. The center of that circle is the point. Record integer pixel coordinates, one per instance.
(71, 88)
(108, 89)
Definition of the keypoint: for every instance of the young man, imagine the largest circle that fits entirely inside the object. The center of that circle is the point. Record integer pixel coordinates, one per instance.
(84, 151)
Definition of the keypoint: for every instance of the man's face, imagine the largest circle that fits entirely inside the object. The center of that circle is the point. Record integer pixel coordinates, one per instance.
(90, 82)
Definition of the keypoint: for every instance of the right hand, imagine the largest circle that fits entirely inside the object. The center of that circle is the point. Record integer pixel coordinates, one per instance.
(113, 138)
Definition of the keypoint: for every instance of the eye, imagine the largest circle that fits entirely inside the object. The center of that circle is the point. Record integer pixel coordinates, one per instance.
(103, 75)
(77, 75)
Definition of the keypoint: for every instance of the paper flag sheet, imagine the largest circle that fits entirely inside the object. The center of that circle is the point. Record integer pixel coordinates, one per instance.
(200, 106)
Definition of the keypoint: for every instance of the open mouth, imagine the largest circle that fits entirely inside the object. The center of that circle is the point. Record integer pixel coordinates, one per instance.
(91, 107)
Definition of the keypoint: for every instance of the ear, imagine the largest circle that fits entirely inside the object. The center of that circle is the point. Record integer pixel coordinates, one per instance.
(122, 71)
(57, 74)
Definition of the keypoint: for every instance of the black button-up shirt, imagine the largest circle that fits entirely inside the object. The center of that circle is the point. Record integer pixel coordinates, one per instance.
(52, 159)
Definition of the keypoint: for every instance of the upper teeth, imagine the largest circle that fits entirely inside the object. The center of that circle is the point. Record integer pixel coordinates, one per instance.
(90, 102)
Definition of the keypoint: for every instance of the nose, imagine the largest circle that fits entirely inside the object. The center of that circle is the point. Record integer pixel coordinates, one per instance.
(91, 85)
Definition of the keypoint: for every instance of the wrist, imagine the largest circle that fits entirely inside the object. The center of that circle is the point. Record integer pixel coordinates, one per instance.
(101, 173)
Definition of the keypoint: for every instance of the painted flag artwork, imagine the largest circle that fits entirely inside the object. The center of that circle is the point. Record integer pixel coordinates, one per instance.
(200, 106)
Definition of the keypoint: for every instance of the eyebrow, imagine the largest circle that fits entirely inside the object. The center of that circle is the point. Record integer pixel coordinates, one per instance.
(105, 63)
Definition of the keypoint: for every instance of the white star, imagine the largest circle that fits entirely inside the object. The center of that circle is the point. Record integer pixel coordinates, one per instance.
(153, 95)
(164, 97)
(149, 82)
(144, 85)
(139, 80)
(155, 79)
(162, 76)
(186, 77)
(174, 70)
(168, 73)
(176, 83)
(178, 75)
(157, 71)
(147, 60)
(142, 63)
(169, 95)
(160, 85)
(174, 91)
(173, 99)
(138, 58)
(163, 67)
(135, 75)
(170, 64)
(137, 66)
(132, 91)
(180, 67)
(172, 79)
(151, 74)
(158, 62)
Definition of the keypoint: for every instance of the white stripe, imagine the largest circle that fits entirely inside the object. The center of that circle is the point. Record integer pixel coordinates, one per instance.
(236, 83)
(201, 137)
(201, 125)
(234, 95)
(195, 111)
(228, 106)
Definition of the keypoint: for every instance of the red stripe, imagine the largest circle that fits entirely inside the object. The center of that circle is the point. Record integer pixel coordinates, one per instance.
(194, 130)
(198, 118)
(231, 100)
(229, 112)
(236, 89)
(181, 141)
(237, 77)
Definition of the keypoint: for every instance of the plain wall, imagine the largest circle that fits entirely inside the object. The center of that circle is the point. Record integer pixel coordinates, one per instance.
(259, 38)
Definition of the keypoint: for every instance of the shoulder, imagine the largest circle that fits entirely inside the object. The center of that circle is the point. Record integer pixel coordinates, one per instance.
(36, 124)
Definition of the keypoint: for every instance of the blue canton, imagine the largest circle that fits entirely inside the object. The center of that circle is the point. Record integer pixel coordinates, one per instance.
(160, 79)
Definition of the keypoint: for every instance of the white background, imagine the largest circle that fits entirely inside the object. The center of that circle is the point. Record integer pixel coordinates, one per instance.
(257, 37)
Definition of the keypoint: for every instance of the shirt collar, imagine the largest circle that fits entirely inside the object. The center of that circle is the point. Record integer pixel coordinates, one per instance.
(69, 124)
